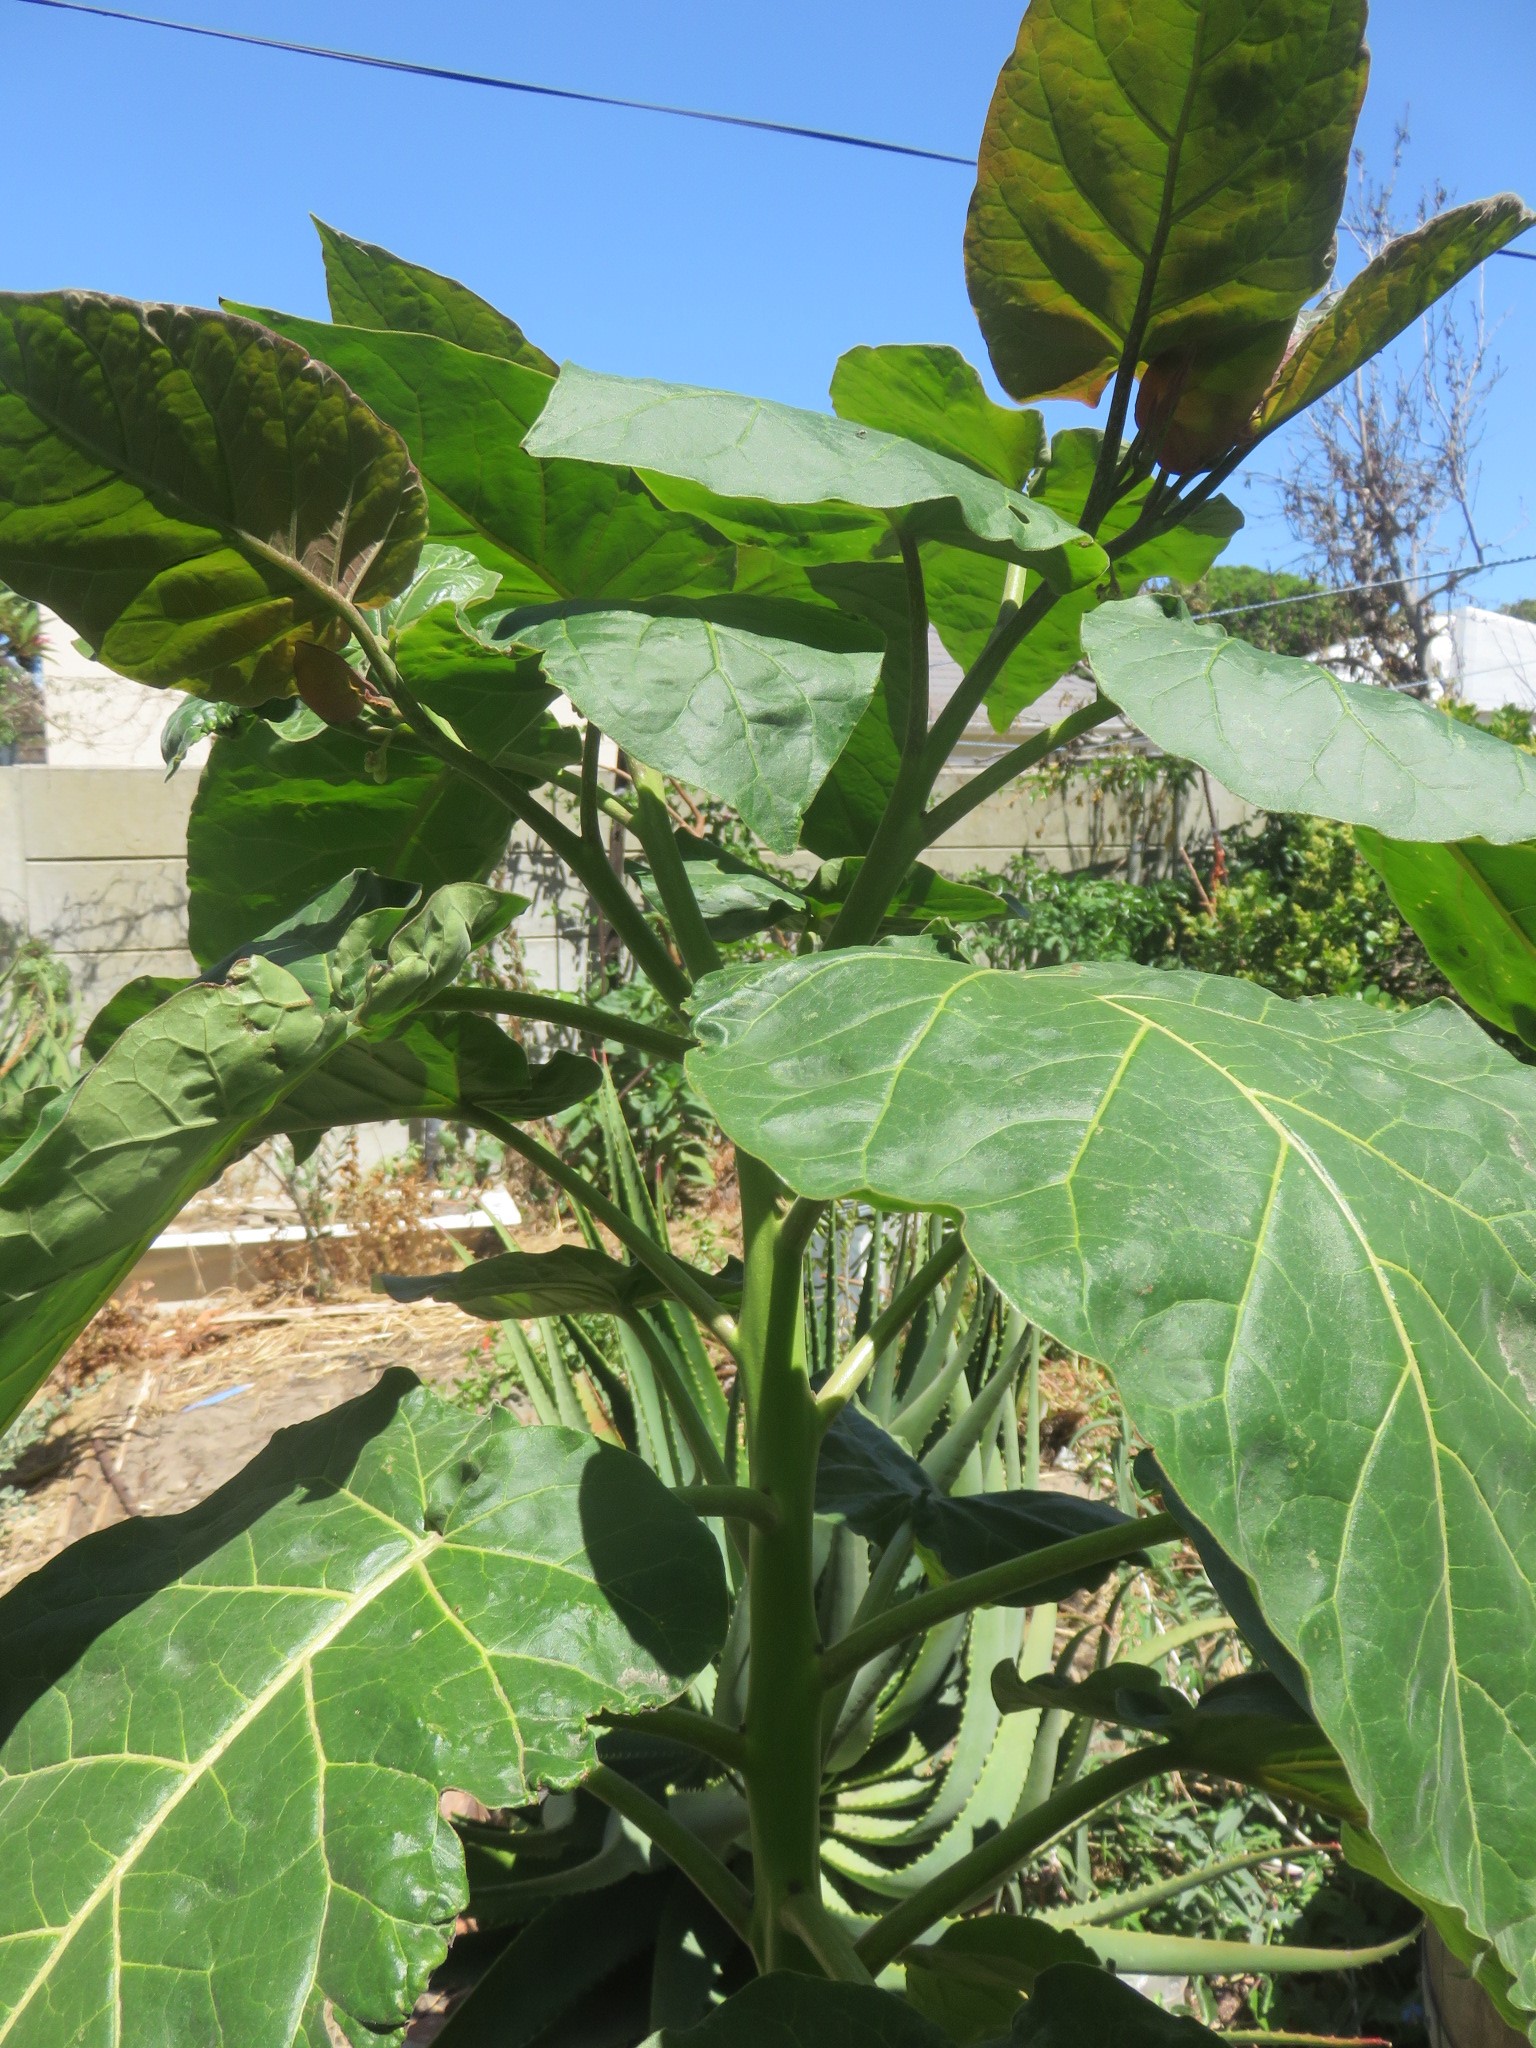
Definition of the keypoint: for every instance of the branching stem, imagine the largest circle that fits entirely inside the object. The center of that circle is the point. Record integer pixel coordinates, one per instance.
(586, 1018)
(699, 1865)
(997, 1584)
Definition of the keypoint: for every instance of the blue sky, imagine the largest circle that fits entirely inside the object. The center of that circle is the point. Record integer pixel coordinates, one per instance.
(164, 167)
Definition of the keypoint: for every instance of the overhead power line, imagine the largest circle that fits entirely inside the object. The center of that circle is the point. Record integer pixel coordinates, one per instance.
(496, 84)
(537, 91)
(1450, 576)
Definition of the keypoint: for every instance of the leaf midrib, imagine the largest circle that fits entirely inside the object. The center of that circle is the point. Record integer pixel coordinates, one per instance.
(417, 1551)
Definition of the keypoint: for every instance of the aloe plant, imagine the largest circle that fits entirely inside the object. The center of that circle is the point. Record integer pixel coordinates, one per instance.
(752, 1642)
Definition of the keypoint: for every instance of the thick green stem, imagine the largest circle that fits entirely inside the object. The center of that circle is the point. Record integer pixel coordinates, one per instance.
(827, 1939)
(587, 862)
(1002, 1853)
(1017, 761)
(731, 1503)
(783, 1721)
(699, 1865)
(998, 1583)
(584, 1017)
(653, 825)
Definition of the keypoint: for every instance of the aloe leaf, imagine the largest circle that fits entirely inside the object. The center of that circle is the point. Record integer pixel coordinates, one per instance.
(1474, 906)
(194, 1083)
(1359, 1333)
(369, 287)
(1156, 174)
(549, 532)
(195, 496)
(239, 1712)
(930, 394)
(1288, 736)
(770, 473)
(1392, 291)
(749, 700)
(810, 2012)
(283, 811)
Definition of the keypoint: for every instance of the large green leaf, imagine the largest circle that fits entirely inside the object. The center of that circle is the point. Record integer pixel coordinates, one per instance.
(191, 493)
(966, 590)
(1162, 168)
(191, 1085)
(228, 1730)
(751, 464)
(283, 811)
(971, 1980)
(747, 699)
(549, 530)
(786, 2011)
(1289, 736)
(1474, 906)
(930, 394)
(1389, 295)
(1299, 1233)
(1073, 2003)
(368, 287)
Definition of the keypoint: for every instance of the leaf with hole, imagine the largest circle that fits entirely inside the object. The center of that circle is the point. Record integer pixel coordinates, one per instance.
(1288, 736)
(802, 482)
(1161, 177)
(1299, 1234)
(193, 494)
(228, 1730)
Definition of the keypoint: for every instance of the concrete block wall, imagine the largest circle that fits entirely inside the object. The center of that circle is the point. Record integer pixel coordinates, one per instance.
(94, 861)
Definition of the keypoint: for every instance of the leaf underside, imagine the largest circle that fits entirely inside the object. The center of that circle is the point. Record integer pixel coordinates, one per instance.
(1288, 736)
(191, 493)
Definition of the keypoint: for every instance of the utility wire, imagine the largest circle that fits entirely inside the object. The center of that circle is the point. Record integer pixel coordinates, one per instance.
(1451, 576)
(482, 78)
(549, 92)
